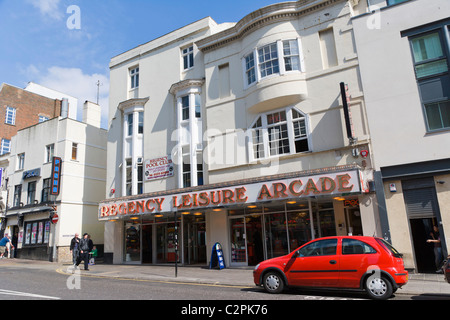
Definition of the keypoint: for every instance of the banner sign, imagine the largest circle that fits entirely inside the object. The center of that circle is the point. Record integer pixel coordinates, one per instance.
(294, 188)
(158, 168)
(56, 176)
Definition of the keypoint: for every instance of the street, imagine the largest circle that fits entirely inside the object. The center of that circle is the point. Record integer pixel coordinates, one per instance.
(31, 282)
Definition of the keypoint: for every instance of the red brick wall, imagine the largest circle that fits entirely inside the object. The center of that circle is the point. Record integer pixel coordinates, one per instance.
(29, 106)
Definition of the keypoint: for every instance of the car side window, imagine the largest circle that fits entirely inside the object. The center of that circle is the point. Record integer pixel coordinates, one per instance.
(319, 248)
(353, 246)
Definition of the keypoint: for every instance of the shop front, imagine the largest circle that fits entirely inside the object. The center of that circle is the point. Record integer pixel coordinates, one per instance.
(253, 219)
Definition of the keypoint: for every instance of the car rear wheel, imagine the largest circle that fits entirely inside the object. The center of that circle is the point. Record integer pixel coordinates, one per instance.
(378, 287)
(273, 282)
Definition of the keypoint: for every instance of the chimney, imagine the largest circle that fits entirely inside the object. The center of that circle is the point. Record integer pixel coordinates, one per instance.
(65, 108)
(92, 114)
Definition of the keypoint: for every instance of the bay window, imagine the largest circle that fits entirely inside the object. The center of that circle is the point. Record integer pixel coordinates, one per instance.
(274, 58)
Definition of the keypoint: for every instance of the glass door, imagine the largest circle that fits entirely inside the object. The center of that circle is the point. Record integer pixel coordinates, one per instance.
(238, 248)
(132, 242)
(194, 230)
(255, 246)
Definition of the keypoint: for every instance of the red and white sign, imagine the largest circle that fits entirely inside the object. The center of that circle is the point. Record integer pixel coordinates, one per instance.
(55, 218)
(294, 188)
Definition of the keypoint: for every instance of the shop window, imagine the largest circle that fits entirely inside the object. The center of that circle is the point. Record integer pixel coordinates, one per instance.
(36, 233)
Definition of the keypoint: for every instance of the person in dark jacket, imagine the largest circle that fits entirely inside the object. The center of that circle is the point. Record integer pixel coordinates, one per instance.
(85, 247)
(75, 248)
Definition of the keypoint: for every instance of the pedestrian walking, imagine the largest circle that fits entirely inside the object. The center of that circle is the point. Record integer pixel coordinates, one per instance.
(75, 248)
(3, 243)
(85, 248)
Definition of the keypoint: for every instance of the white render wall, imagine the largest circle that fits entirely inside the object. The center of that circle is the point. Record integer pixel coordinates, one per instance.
(394, 107)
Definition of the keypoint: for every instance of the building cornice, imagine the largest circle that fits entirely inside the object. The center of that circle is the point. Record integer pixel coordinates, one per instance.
(131, 103)
(184, 84)
(284, 11)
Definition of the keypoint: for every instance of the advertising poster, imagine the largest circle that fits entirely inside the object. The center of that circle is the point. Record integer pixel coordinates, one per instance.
(158, 168)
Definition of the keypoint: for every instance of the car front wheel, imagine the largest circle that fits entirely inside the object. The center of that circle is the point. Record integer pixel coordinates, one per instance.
(273, 282)
(378, 287)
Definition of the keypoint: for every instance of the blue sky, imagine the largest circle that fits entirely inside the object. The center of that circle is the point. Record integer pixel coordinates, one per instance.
(37, 45)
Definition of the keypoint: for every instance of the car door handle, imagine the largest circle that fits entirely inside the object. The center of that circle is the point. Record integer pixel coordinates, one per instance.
(333, 261)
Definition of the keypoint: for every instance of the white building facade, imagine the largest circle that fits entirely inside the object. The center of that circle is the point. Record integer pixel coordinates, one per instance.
(238, 134)
(404, 50)
(81, 146)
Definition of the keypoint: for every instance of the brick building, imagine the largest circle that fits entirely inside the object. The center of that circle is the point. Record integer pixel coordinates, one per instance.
(20, 109)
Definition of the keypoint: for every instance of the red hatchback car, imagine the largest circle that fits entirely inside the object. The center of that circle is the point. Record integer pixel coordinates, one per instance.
(346, 262)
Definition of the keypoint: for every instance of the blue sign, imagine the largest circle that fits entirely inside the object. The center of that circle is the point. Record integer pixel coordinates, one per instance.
(31, 173)
(56, 176)
(217, 257)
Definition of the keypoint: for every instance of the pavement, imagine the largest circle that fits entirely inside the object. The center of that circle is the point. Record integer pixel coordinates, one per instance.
(418, 284)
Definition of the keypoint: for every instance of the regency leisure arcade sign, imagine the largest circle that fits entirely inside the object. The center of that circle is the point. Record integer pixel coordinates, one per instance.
(293, 188)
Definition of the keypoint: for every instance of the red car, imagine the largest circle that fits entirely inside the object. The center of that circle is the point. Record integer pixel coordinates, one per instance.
(349, 262)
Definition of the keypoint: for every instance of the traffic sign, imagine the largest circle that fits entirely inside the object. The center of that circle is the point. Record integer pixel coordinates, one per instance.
(55, 218)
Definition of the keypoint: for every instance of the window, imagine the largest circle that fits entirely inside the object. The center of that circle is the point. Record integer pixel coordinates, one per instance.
(319, 248)
(429, 57)
(31, 192)
(49, 151)
(10, 116)
(274, 58)
(36, 233)
(186, 167)
(185, 108)
(250, 69)
(20, 161)
(42, 119)
(74, 150)
(291, 55)
(140, 178)
(134, 77)
(352, 246)
(129, 178)
(5, 147)
(140, 122)
(188, 57)
(268, 60)
(130, 124)
(392, 2)
(438, 115)
(278, 133)
(430, 51)
(46, 188)
(17, 195)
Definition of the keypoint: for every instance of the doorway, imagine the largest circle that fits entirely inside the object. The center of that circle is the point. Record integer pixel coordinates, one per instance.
(423, 251)
(147, 244)
(194, 230)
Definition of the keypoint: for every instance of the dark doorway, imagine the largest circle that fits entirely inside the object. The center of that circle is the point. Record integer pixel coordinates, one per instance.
(147, 247)
(423, 251)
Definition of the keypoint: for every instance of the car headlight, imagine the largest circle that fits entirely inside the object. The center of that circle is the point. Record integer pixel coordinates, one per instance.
(257, 266)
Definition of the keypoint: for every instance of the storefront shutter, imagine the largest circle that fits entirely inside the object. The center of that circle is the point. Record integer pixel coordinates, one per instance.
(420, 198)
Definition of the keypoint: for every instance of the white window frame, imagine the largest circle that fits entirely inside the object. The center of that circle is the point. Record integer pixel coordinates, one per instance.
(5, 147)
(49, 152)
(264, 140)
(256, 67)
(134, 78)
(10, 117)
(21, 161)
(187, 57)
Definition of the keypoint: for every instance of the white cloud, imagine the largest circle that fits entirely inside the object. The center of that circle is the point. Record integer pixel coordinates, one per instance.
(48, 8)
(74, 82)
